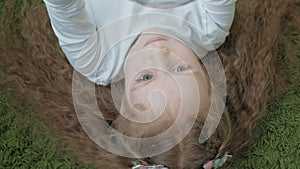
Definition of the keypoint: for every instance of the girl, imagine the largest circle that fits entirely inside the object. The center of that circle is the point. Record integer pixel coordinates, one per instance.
(248, 52)
(97, 42)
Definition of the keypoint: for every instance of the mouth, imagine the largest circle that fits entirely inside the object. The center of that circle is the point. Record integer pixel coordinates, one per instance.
(152, 40)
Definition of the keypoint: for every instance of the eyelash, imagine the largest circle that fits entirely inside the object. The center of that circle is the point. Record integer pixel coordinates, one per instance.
(141, 77)
(151, 75)
(182, 66)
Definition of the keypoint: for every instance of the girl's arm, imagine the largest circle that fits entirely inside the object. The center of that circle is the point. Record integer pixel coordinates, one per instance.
(218, 17)
(220, 11)
(77, 35)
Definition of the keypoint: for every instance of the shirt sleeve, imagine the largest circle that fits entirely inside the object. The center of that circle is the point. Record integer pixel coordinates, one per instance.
(220, 11)
(216, 17)
(77, 35)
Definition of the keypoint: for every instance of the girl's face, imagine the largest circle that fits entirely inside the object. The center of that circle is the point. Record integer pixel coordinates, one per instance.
(159, 71)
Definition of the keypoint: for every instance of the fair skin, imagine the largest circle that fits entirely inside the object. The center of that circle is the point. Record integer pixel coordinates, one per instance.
(159, 71)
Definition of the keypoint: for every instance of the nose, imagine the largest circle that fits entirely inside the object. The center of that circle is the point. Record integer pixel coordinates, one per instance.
(158, 48)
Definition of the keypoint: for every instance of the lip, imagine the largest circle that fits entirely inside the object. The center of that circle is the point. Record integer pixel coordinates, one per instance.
(152, 40)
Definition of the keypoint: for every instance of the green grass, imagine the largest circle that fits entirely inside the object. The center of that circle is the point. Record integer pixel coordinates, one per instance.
(276, 141)
(24, 142)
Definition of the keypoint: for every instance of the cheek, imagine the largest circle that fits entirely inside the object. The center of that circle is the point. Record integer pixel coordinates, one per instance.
(161, 101)
(205, 96)
(139, 100)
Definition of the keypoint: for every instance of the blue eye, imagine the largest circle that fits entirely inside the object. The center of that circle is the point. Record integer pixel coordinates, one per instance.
(181, 68)
(145, 77)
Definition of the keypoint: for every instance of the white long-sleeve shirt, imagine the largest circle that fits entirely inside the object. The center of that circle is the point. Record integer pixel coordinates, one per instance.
(96, 35)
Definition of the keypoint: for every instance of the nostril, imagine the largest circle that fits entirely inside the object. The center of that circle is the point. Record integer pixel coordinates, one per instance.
(163, 50)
